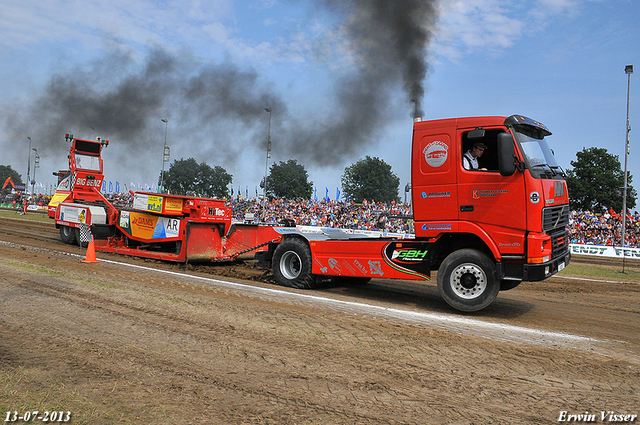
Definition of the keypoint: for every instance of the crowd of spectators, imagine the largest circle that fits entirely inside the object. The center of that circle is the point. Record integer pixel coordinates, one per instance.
(120, 200)
(389, 217)
(603, 227)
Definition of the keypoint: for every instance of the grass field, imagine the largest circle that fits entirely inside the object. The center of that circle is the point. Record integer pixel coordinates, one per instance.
(35, 216)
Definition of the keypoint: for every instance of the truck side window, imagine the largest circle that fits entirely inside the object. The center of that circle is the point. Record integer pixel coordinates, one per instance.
(482, 137)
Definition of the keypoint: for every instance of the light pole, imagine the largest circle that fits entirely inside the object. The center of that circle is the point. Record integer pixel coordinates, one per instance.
(165, 153)
(629, 70)
(36, 164)
(266, 167)
(28, 167)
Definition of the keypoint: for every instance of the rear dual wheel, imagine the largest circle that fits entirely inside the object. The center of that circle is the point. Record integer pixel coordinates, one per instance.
(292, 264)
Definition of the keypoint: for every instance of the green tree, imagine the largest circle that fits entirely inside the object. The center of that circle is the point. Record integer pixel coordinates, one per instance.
(596, 180)
(7, 171)
(186, 176)
(371, 179)
(289, 180)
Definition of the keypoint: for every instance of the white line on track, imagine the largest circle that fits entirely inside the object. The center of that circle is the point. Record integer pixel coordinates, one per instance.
(440, 321)
(592, 280)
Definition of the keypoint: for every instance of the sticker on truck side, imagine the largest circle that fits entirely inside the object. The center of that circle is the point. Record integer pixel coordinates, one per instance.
(412, 258)
(436, 153)
(147, 226)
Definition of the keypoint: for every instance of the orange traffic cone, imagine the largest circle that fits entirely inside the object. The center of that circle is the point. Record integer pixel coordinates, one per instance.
(91, 253)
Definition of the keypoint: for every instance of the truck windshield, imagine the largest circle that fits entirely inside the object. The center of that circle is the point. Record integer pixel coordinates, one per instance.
(538, 157)
(87, 162)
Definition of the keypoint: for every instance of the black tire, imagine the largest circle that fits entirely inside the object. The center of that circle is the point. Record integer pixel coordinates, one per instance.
(68, 234)
(292, 264)
(467, 280)
(505, 285)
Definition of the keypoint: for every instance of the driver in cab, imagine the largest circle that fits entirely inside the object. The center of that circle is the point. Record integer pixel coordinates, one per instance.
(470, 157)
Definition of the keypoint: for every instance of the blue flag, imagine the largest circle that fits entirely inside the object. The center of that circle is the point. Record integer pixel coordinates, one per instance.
(110, 187)
(337, 193)
(315, 194)
(326, 196)
(117, 187)
(104, 185)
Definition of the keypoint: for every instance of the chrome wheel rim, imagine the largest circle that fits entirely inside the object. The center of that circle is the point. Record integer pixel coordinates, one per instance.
(290, 265)
(468, 281)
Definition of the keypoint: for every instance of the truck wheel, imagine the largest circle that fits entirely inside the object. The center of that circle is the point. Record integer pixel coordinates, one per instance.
(292, 264)
(467, 280)
(68, 234)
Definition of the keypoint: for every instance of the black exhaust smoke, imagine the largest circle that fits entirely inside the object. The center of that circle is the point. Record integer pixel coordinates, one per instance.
(216, 111)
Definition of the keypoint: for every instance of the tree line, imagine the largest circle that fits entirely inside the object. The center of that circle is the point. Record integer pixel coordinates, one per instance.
(596, 180)
(369, 178)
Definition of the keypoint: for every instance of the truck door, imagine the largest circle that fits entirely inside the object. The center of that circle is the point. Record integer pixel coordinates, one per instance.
(495, 203)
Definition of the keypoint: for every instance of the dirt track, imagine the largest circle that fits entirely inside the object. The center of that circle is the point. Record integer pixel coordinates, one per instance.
(134, 341)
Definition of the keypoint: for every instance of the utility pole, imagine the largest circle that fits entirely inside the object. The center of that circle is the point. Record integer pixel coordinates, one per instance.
(165, 154)
(36, 164)
(26, 184)
(266, 167)
(629, 70)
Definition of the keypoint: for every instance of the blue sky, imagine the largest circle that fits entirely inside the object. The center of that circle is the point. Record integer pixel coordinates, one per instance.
(114, 69)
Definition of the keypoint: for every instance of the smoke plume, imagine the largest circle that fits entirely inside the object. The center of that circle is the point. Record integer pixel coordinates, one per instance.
(218, 108)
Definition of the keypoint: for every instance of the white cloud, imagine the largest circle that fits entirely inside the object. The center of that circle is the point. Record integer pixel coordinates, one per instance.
(491, 26)
(141, 22)
(476, 25)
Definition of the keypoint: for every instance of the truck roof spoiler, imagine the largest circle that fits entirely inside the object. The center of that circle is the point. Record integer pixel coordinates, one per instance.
(519, 120)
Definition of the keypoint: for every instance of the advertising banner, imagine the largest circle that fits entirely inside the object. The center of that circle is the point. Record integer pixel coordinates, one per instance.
(604, 251)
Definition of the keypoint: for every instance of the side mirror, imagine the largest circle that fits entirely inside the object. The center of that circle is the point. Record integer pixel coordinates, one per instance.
(506, 154)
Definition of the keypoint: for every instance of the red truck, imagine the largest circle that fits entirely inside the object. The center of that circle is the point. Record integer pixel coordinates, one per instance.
(482, 230)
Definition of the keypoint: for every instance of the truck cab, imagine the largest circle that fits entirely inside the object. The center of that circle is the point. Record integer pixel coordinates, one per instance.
(514, 208)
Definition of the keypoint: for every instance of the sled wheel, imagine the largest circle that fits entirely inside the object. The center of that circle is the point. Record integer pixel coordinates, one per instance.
(467, 280)
(68, 234)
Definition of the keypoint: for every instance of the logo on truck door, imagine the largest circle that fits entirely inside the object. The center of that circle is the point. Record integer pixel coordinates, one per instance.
(436, 153)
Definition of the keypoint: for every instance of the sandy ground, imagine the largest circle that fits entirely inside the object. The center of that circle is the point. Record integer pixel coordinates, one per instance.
(129, 341)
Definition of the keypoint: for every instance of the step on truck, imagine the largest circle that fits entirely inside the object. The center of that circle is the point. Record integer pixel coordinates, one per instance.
(482, 230)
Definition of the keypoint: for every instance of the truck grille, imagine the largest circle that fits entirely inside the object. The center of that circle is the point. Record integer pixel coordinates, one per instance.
(554, 223)
(555, 217)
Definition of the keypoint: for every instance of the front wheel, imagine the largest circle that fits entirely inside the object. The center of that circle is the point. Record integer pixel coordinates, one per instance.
(68, 235)
(292, 264)
(467, 280)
